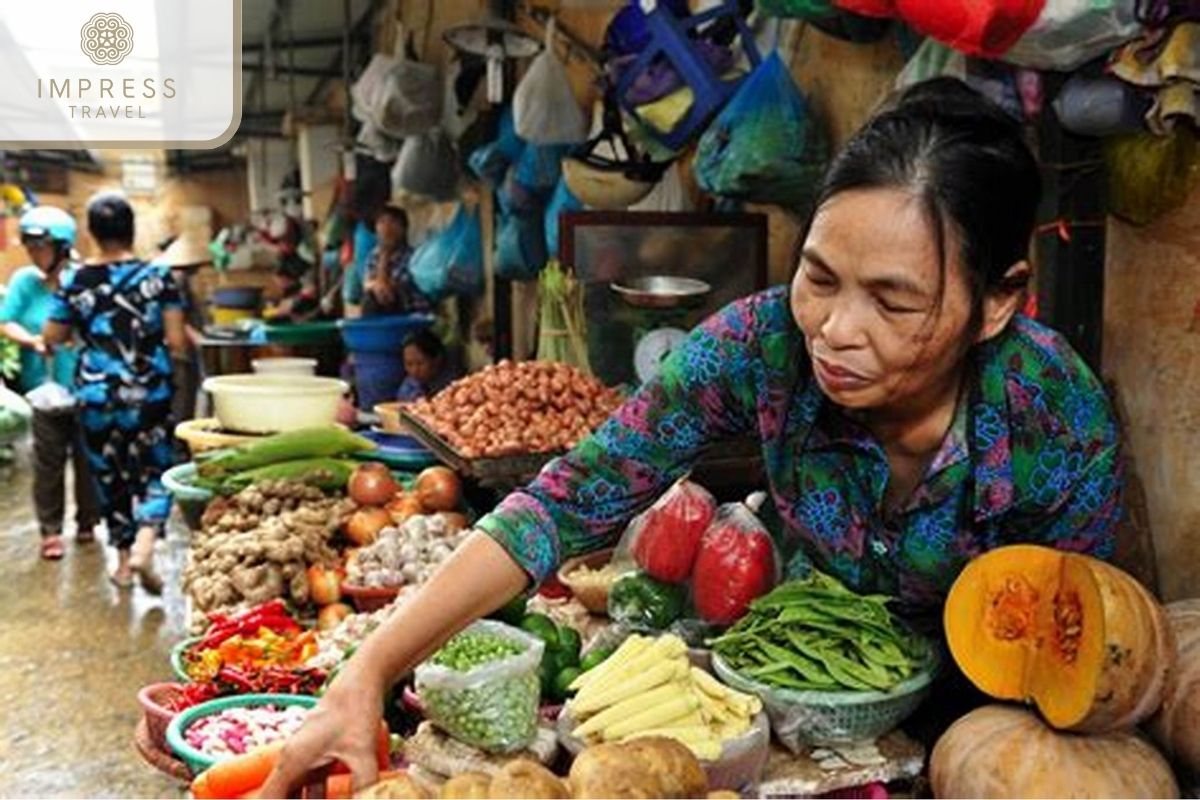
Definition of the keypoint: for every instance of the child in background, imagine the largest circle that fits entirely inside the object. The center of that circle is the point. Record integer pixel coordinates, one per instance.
(426, 367)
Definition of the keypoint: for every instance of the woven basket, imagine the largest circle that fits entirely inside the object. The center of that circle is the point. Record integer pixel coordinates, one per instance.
(804, 719)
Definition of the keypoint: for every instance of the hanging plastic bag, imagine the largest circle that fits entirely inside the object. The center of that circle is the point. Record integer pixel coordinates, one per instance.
(545, 110)
(382, 147)
(540, 167)
(15, 415)
(1069, 33)
(765, 146)
(932, 60)
(520, 247)
(562, 202)
(827, 17)
(451, 262)
(1100, 106)
(408, 99)
(736, 563)
(491, 161)
(367, 88)
(983, 28)
(427, 166)
(1149, 175)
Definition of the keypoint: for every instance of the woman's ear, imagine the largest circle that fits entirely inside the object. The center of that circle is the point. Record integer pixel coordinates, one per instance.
(1002, 302)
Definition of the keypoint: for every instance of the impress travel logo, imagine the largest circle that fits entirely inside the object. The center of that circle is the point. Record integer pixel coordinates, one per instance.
(146, 73)
(106, 39)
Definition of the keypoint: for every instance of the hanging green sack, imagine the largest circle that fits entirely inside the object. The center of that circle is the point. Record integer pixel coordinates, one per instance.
(765, 146)
(826, 17)
(1149, 175)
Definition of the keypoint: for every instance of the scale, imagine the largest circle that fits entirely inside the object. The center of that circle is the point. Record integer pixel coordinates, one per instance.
(662, 308)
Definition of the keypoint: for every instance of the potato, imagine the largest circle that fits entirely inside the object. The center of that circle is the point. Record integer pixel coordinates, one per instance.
(674, 766)
(723, 794)
(606, 770)
(524, 778)
(468, 786)
(401, 788)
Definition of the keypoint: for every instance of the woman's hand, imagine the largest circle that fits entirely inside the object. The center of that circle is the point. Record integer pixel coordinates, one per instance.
(477, 579)
(343, 727)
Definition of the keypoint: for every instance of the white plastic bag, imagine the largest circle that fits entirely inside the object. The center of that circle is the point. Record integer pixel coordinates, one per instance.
(382, 147)
(1069, 33)
(427, 166)
(368, 85)
(409, 101)
(545, 110)
(494, 706)
(52, 398)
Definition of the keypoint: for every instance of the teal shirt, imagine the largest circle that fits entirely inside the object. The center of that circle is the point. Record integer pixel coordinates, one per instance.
(28, 303)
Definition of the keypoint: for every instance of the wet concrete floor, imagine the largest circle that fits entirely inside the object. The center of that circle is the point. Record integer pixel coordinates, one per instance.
(74, 650)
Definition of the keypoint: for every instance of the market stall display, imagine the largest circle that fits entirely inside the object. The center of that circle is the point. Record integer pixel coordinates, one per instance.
(1026, 622)
(234, 726)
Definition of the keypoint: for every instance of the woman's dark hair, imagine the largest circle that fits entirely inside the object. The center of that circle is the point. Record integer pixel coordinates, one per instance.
(110, 219)
(967, 161)
(396, 213)
(427, 342)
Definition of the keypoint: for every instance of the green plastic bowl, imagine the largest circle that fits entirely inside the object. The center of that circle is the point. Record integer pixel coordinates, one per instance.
(197, 761)
(177, 658)
(192, 500)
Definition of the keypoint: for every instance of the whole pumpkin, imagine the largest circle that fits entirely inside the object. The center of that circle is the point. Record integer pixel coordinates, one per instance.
(1177, 725)
(1004, 751)
(1080, 638)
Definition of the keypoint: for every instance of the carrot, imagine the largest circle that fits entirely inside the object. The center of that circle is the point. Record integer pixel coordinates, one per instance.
(238, 775)
(246, 773)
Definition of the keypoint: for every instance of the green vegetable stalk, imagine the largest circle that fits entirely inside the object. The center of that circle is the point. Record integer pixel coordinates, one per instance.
(307, 443)
(562, 338)
(327, 474)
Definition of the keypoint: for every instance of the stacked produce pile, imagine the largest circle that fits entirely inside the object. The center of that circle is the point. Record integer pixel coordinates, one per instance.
(649, 767)
(263, 650)
(258, 545)
(512, 409)
(407, 554)
(649, 688)
(237, 731)
(1091, 649)
(815, 634)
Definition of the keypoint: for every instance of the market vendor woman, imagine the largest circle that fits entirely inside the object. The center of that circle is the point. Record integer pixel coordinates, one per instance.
(909, 417)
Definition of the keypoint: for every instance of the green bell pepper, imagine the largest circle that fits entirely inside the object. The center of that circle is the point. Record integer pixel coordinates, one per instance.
(642, 601)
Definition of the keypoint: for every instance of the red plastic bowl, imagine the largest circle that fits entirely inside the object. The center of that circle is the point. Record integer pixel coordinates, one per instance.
(153, 699)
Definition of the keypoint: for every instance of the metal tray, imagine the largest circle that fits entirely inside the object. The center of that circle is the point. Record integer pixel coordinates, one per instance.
(498, 471)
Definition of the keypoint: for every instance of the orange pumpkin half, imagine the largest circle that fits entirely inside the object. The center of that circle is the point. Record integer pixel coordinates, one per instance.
(1078, 637)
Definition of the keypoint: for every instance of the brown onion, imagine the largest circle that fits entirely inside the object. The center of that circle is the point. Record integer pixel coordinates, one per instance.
(372, 484)
(366, 523)
(330, 616)
(438, 489)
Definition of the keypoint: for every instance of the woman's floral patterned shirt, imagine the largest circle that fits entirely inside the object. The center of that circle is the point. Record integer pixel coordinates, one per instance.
(1032, 456)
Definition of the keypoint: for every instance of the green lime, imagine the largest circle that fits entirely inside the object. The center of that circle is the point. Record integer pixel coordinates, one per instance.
(568, 646)
(562, 683)
(595, 658)
(511, 612)
(547, 671)
(542, 627)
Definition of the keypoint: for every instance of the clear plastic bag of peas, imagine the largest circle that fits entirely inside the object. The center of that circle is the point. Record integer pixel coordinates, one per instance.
(482, 687)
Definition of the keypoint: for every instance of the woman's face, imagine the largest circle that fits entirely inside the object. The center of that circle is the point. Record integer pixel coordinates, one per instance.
(866, 297)
(390, 231)
(418, 365)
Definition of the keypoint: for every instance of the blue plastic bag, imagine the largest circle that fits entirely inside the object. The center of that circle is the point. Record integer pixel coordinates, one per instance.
(491, 161)
(540, 167)
(563, 202)
(451, 262)
(520, 246)
(765, 146)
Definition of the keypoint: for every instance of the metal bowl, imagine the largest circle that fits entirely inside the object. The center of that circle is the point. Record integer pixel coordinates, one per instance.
(662, 291)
